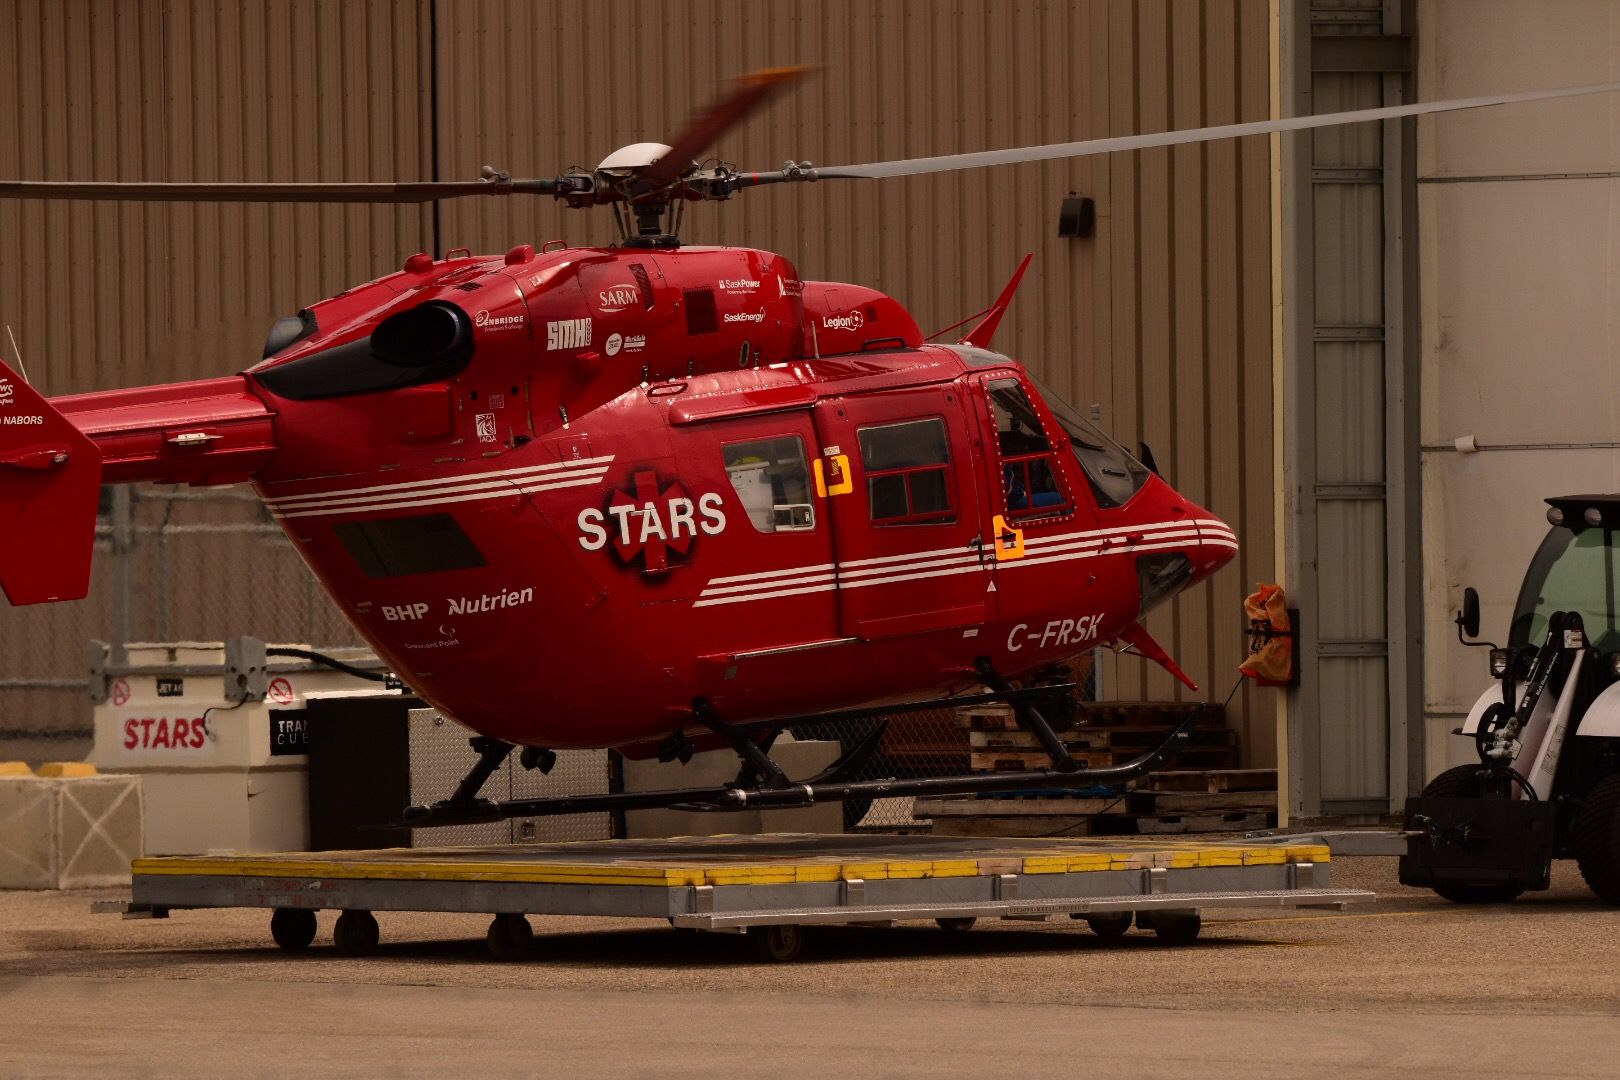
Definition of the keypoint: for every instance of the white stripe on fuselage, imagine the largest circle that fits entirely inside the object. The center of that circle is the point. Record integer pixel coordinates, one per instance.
(944, 562)
(449, 489)
(571, 474)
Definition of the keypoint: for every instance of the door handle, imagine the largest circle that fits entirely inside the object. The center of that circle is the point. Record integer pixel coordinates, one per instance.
(1009, 541)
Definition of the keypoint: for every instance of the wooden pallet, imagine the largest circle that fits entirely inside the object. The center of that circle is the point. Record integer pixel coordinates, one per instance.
(1212, 780)
(1230, 821)
(1034, 826)
(1010, 760)
(1145, 716)
(1156, 803)
(942, 807)
(1136, 739)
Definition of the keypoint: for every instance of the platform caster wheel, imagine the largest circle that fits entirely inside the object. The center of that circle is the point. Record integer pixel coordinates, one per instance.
(1179, 929)
(780, 944)
(1110, 926)
(293, 928)
(356, 933)
(957, 926)
(510, 937)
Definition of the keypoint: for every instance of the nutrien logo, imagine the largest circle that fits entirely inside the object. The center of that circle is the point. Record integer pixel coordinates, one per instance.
(473, 605)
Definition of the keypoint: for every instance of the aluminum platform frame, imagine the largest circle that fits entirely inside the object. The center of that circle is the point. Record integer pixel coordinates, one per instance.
(731, 883)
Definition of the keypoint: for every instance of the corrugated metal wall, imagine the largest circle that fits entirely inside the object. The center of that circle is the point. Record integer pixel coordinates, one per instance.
(1161, 319)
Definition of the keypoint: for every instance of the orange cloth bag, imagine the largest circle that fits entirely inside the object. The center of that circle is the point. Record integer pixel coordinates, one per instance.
(1271, 641)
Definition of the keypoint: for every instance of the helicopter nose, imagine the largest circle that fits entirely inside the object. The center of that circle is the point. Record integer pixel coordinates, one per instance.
(1216, 546)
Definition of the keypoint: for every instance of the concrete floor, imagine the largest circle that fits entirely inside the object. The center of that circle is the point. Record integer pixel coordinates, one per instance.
(1412, 987)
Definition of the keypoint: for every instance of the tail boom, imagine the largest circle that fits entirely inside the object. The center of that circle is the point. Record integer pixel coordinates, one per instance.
(212, 431)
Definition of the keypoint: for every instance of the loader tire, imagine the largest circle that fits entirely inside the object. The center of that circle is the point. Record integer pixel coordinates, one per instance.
(1462, 782)
(1597, 839)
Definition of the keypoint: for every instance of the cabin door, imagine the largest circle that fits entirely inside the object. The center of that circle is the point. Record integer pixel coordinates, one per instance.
(897, 477)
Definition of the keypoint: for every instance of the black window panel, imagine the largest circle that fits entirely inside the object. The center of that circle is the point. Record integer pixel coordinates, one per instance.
(929, 495)
(701, 315)
(904, 446)
(888, 496)
(397, 547)
(1160, 576)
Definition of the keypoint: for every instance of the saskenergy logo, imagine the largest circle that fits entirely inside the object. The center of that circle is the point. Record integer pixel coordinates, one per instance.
(746, 316)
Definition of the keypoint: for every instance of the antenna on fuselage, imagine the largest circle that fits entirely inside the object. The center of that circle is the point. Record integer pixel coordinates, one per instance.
(16, 354)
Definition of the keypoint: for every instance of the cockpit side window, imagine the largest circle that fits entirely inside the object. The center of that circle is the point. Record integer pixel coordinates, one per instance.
(1114, 475)
(772, 479)
(1028, 472)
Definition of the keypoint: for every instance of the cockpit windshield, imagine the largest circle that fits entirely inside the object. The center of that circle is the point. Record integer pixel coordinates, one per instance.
(1114, 474)
(1572, 571)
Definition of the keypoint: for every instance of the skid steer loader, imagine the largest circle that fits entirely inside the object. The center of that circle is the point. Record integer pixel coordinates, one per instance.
(1546, 731)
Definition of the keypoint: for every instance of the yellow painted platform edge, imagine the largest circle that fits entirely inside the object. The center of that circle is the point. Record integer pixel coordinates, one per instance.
(756, 874)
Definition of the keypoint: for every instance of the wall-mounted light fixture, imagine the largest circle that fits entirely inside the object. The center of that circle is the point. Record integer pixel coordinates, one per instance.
(1078, 218)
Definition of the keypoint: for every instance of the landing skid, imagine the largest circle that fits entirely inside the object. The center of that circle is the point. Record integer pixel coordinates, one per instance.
(761, 784)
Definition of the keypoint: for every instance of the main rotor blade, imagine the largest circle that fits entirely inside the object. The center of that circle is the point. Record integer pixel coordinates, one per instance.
(748, 93)
(268, 192)
(1088, 147)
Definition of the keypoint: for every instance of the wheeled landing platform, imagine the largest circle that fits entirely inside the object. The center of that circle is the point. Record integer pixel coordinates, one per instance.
(774, 884)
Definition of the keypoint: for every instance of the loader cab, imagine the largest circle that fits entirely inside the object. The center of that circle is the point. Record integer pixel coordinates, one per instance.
(1574, 569)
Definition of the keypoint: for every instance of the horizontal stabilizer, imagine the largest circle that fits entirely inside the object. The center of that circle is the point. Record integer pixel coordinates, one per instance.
(50, 484)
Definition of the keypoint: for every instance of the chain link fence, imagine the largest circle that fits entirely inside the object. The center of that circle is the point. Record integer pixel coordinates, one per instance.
(171, 564)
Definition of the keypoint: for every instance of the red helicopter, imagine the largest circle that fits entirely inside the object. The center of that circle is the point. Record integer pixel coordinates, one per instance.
(652, 496)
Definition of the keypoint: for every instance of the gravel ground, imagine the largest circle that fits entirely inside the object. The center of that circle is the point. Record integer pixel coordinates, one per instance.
(1410, 987)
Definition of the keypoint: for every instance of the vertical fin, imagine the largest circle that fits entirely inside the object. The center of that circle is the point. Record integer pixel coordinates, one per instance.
(50, 486)
(979, 337)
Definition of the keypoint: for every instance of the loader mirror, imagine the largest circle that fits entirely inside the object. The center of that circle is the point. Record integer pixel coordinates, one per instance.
(1468, 617)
